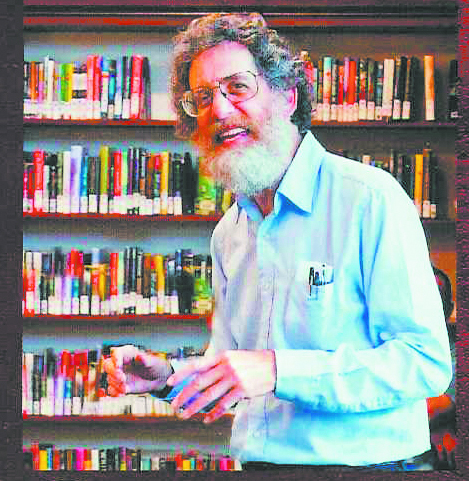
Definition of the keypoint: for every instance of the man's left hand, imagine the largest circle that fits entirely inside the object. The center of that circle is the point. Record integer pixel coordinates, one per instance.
(225, 378)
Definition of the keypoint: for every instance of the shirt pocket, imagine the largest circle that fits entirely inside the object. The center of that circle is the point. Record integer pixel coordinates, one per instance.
(309, 307)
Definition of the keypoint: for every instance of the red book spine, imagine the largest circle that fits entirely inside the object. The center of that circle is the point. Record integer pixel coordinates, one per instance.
(90, 73)
(135, 86)
(38, 161)
(340, 93)
(56, 460)
(114, 278)
(25, 190)
(117, 181)
(97, 89)
(352, 88)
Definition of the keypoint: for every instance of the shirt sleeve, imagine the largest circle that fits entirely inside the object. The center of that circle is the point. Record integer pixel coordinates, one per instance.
(221, 338)
(409, 358)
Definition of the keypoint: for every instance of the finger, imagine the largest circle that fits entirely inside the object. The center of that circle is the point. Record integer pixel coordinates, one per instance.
(115, 390)
(207, 397)
(200, 382)
(223, 406)
(202, 364)
(123, 354)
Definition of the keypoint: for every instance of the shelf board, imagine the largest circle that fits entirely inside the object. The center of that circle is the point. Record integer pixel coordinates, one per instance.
(100, 122)
(172, 123)
(127, 419)
(383, 125)
(121, 318)
(126, 217)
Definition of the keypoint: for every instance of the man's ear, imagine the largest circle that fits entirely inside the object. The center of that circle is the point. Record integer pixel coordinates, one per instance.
(291, 96)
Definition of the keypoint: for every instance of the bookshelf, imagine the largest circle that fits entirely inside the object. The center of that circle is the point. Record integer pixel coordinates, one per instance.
(68, 32)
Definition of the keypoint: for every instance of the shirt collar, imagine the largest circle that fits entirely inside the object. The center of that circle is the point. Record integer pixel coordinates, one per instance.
(297, 183)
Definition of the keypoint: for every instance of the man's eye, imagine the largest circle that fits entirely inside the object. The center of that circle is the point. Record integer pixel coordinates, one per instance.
(236, 87)
(202, 97)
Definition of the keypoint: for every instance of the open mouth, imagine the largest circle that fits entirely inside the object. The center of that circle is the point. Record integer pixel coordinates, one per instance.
(231, 135)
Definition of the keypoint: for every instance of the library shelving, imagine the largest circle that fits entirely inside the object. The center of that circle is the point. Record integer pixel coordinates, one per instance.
(68, 32)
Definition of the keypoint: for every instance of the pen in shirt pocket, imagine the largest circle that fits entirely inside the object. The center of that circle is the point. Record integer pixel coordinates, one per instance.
(320, 275)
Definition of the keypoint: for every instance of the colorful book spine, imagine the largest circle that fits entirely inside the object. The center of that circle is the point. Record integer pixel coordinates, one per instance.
(429, 86)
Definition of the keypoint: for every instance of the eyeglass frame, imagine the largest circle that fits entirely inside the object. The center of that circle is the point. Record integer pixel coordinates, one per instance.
(225, 94)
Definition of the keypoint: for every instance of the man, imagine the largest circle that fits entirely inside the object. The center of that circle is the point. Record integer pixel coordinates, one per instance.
(328, 330)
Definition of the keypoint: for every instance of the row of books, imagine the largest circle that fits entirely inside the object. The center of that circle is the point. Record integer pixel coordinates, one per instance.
(119, 181)
(73, 383)
(98, 87)
(354, 89)
(418, 173)
(131, 281)
(47, 457)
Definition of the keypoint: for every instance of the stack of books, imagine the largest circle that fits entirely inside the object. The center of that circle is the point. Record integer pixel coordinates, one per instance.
(353, 89)
(106, 283)
(73, 383)
(47, 457)
(132, 181)
(97, 87)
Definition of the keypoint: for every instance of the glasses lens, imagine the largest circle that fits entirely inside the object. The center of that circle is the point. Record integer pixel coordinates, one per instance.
(236, 88)
(239, 87)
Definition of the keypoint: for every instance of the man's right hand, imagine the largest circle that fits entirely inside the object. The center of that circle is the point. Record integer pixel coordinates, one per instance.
(131, 370)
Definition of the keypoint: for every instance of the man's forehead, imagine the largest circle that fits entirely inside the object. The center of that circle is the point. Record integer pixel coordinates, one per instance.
(223, 60)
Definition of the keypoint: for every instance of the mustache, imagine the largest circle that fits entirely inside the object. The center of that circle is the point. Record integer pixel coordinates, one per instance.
(218, 127)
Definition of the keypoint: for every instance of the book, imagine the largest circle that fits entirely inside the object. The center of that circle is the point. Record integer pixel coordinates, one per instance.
(379, 85)
(429, 87)
(104, 94)
(76, 161)
(400, 76)
(38, 162)
(388, 84)
(409, 102)
(418, 182)
(136, 86)
(453, 85)
(327, 62)
(363, 88)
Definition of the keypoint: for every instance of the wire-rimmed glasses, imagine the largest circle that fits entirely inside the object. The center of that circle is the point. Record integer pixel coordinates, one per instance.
(236, 88)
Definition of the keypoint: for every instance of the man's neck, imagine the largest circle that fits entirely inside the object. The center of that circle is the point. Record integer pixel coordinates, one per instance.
(265, 199)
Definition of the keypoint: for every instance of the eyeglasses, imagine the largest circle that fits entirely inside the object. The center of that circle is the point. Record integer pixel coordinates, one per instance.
(236, 88)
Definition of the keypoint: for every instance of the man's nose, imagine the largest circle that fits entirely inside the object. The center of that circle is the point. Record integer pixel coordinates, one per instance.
(221, 106)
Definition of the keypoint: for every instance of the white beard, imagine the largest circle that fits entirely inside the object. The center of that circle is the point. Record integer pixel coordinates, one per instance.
(252, 168)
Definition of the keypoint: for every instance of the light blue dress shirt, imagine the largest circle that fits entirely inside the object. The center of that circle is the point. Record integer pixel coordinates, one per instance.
(337, 281)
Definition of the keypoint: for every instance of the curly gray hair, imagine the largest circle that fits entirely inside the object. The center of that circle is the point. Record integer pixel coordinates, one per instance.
(272, 54)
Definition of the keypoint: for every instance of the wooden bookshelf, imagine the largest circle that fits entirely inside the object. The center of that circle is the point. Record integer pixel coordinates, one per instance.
(358, 20)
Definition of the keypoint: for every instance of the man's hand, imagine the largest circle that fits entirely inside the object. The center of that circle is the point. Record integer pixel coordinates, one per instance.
(225, 378)
(131, 370)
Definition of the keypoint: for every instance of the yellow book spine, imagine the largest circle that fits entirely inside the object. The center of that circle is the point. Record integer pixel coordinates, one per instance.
(418, 182)
(160, 280)
(103, 182)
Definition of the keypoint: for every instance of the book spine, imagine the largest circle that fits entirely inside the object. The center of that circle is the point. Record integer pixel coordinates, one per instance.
(327, 87)
(105, 63)
(388, 84)
(84, 176)
(453, 84)
(135, 86)
(418, 182)
(103, 188)
(399, 89)
(126, 81)
(76, 159)
(97, 87)
(90, 73)
(429, 86)
(112, 88)
(379, 86)
(38, 162)
(363, 85)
